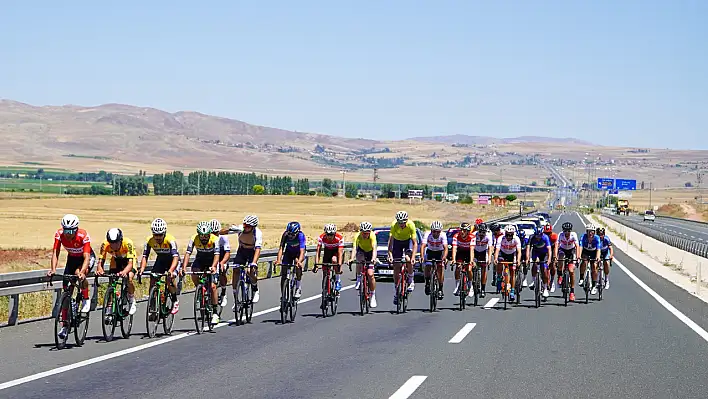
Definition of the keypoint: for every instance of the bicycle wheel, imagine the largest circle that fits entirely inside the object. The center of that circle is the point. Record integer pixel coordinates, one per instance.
(433, 293)
(293, 302)
(399, 302)
(248, 306)
(517, 283)
(587, 283)
(199, 309)
(62, 321)
(284, 301)
(126, 321)
(239, 304)
(334, 302)
(537, 288)
(362, 295)
(601, 283)
(566, 285)
(168, 319)
(325, 296)
(109, 315)
(463, 290)
(81, 328)
(152, 313)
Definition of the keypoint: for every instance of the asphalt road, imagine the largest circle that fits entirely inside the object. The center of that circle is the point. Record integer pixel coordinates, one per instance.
(627, 345)
(684, 229)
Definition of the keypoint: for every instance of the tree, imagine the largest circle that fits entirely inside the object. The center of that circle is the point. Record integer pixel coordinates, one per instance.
(511, 198)
(258, 189)
(451, 187)
(327, 186)
(534, 184)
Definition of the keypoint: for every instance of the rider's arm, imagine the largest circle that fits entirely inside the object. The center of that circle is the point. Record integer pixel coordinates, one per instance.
(317, 252)
(454, 252)
(303, 246)
(85, 266)
(279, 257)
(175, 257)
(55, 255)
(144, 258)
(258, 244)
(340, 254)
(612, 251)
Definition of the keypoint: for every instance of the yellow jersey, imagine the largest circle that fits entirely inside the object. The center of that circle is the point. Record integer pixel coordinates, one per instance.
(211, 247)
(167, 248)
(366, 245)
(126, 250)
(403, 233)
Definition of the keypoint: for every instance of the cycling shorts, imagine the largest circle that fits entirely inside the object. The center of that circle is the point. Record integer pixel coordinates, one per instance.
(433, 255)
(74, 263)
(542, 255)
(566, 253)
(202, 263)
(589, 254)
(463, 256)
(330, 255)
(605, 254)
(118, 264)
(290, 258)
(400, 247)
(244, 256)
(365, 258)
(507, 258)
(480, 256)
(163, 263)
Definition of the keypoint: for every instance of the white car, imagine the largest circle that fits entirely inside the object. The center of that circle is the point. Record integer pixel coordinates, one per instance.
(527, 227)
(649, 215)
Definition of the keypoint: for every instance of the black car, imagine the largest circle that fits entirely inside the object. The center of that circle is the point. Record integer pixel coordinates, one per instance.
(382, 268)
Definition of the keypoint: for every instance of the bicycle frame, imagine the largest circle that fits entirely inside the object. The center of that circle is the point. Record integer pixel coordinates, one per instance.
(203, 300)
(288, 303)
(67, 316)
(402, 288)
(462, 292)
(244, 299)
(506, 289)
(329, 295)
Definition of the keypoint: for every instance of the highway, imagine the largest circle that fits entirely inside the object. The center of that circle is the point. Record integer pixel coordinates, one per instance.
(645, 339)
(682, 228)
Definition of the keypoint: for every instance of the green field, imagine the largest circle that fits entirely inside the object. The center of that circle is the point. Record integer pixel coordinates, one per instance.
(33, 170)
(46, 186)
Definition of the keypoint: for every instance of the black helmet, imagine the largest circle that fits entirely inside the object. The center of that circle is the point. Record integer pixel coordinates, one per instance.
(465, 226)
(495, 227)
(600, 231)
(567, 226)
(482, 227)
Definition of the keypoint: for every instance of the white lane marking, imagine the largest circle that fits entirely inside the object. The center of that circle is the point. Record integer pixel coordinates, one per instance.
(124, 352)
(491, 303)
(690, 323)
(409, 387)
(462, 333)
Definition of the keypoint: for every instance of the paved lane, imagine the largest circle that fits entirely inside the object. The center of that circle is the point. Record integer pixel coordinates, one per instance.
(683, 229)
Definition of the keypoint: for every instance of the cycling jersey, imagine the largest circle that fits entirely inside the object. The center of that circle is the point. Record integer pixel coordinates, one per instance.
(481, 244)
(436, 244)
(569, 242)
(168, 247)
(126, 250)
(539, 242)
(403, 233)
(224, 245)
(524, 242)
(331, 242)
(251, 240)
(462, 242)
(209, 249)
(77, 246)
(589, 244)
(366, 245)
(495, 240)
(553, 237)
(605, 243)
(508, 247)
(294, 244)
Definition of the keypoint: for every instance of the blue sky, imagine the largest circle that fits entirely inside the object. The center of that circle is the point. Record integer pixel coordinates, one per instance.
(613, 72)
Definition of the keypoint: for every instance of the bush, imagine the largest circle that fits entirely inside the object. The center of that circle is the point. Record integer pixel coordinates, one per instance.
(258, 189)
(420, 225)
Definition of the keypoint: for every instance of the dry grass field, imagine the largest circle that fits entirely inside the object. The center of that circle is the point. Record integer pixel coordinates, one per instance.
(29, 223)
(673, 202)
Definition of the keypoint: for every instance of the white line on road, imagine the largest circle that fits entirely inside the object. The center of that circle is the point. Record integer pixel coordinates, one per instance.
(491, 303)
(409, 387)
(127, 351)
(462, 333)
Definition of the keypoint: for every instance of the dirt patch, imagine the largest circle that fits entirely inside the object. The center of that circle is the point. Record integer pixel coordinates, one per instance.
(674, 210)
(23, 259)
(350, 228)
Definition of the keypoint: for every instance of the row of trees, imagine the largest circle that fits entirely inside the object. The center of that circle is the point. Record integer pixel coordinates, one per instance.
(227, 183)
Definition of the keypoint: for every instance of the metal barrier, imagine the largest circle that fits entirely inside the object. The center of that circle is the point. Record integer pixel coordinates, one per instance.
(692, 246)
(683, 220)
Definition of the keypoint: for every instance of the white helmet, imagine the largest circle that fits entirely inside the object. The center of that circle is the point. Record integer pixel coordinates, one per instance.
(436, 225)
(590, 227)
(330, 228)
(114, 235)
(365, 226)
(70, 221)
(510, 229)
(402, 216)
(251, 220)
(215, 226)
(159, 226)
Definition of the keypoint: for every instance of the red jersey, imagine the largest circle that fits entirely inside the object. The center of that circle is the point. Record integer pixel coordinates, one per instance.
(462, 242)
(78, 246)
(553, 237)
(333, 242)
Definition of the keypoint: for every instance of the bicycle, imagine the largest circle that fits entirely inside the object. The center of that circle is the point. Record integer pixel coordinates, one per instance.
(517, 282)
(68, 314)
(565, 282)
(537, 282)
(434, 284)
(203, 310)
(587, 277)
(601, 277)
(288, 303)
(506, 287)
(364, 293)
(462, 292)
(477, 279)
(159, 306)
(330, 296)
(402, 289)
(116, 308)
(243, 306)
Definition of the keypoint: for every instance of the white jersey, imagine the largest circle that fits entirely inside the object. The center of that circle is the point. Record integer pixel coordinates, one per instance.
(435, 244)
(481, 244)
(567, 243)
(224, 244)
(508, 246)
(251, 240)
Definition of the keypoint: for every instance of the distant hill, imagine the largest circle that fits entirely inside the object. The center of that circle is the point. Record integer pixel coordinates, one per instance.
(485, 140)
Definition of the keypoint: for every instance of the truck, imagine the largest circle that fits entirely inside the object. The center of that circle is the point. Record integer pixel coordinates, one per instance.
(623, 207)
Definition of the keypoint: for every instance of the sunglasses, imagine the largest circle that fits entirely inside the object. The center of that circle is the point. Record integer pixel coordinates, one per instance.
(70, 231)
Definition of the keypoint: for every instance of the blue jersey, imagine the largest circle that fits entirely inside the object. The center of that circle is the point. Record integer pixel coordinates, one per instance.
(605, 243)
(539, 242)
(524, 242)
(590, 245)
(293, 245)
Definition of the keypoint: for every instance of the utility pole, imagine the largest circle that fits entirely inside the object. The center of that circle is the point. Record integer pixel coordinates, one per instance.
(650, 190)
(344, 183)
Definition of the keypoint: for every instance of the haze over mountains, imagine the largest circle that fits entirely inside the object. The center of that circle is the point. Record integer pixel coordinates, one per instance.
(485, 140)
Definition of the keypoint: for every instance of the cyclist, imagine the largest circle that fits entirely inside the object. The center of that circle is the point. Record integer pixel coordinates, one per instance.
(524, 244)
(496, 233)
(462, 240)
(292, 251)
(167, 257)
(332, 244)
(591, 250)
(539, 249)
(607, 253)
(402, 244)
(250, 240)
(365, 244)
(80, 259)
(224, 256)
(477, 222)
(207, 257)
(568, 243)
(482, 252)
(553, 238)
(432, 249)
(123, 261)
(508, 249)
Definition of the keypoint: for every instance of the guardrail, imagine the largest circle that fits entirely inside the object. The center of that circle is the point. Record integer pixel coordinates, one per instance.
(687, 245)
(13, 285)
(682, 219)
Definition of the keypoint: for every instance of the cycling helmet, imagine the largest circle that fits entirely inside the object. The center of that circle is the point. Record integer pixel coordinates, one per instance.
(402, 216)
(203, 228)
(547, 229)
(495, 227)
(600, 231)
(293, 228)
(114, 235)
(590, 227)
(215, 226)
(159, 226)
(70, 221)
(465, 226)
(510, 229)
(251, 220)
(436, 225)
(365, 226)
(482, 227)
(522, 234)
(478, 221)
(567, 226)
(330, 228)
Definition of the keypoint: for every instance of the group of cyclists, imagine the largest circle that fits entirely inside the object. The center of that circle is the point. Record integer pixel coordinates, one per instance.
(472, 246)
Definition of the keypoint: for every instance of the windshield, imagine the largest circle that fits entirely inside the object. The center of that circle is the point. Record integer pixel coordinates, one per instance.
(526, 226)
(382, 237)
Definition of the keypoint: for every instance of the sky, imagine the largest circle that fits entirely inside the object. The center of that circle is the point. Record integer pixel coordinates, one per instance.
(628, 73)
